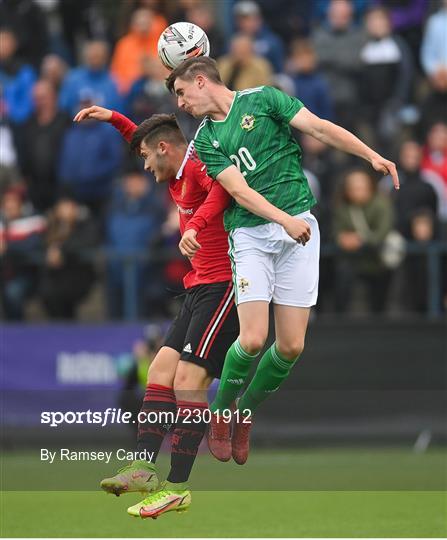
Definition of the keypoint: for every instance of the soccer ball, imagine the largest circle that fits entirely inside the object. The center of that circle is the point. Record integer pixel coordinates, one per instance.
(181, 41)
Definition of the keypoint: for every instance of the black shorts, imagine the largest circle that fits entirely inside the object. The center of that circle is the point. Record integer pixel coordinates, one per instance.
(206, 326)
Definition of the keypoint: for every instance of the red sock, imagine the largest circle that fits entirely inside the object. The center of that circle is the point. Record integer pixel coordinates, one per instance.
(159, 407)
(188, 434)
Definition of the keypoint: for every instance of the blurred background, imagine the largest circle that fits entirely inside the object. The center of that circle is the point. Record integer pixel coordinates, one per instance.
(90, 269)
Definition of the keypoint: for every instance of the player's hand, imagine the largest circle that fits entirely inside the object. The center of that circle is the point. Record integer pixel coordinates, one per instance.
(386, 167)
(97, 113)
(298, 229)
(188, 244)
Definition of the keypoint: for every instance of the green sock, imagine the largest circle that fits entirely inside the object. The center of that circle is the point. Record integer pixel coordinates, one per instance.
(235, 371)
(272, 370)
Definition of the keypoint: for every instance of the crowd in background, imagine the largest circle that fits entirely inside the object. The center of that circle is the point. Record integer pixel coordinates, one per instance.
(378, 68)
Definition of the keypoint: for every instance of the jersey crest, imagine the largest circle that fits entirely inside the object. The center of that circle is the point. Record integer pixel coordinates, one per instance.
(247, 122)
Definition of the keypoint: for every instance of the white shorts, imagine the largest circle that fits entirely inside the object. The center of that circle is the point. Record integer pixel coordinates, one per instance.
(269, 265)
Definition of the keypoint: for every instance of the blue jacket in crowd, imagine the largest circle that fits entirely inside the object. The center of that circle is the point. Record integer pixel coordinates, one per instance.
(270, 46)
(132, 224)
(17, 88)
(90, 157)
(313, 90)
(83, 84)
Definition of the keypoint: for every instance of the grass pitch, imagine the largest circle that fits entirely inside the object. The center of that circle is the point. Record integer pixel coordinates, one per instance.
(311, 493)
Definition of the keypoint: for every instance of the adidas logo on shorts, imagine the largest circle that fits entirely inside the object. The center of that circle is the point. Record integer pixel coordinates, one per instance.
(187, 348)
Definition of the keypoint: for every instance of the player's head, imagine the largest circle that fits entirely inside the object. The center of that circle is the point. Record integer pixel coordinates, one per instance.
(159, 140)
(193, 82)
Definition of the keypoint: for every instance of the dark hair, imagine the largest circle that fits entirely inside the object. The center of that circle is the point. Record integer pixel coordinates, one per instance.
(155, 129)
(188, 70)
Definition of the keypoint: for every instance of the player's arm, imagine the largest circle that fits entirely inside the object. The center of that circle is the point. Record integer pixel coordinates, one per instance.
(215, 203)
(234, 182)
(342, 139)
(120, 122)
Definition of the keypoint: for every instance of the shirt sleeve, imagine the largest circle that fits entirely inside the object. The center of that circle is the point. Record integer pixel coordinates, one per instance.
(211, 155)
(215, 203)
(281, 106)
(125, 126)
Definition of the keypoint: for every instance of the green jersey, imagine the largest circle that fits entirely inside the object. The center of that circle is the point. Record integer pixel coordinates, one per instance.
(255, 136)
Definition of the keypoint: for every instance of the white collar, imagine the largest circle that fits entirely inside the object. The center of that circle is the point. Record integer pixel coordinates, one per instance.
(189, 151)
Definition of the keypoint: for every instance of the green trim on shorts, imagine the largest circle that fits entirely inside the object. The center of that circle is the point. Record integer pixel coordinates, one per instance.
(233, 266)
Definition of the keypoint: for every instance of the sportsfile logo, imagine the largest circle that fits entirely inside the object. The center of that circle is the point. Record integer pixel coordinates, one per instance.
(238, 382)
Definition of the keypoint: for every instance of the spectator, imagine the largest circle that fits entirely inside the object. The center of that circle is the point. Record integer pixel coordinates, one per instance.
(434, 43)
(133, 220)
(20, 244)
(318, 158)
(242, 68)
(8, 155)
(249, 21)
(434, 164)
(90, 81)
(173, 267)
(434, 106)
(53, 69)
(149, 95)
(140, 41)
(386, 76)
(16, 80)
(321, 7)
(289, 19)
(338, 45)
(158, 8)
(81, 20)
(416, 272)
(415, 194)
(90, 158)
(68, 275)
(40, 142)
(28, 22)
(203, 16)
(434, 62)
(362, 220)
(407, 18)
(310, 86)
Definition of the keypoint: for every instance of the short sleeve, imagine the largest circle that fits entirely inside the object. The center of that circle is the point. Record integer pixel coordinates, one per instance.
(280, 105)
(213, 158)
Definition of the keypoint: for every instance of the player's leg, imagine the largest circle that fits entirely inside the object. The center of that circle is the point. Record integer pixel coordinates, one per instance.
(190, 384)
(275, 365)
(159, 399)
(159, 403)
(273, 369)
(296, 288)
(253, 275)
(213, 327)
(253, 321)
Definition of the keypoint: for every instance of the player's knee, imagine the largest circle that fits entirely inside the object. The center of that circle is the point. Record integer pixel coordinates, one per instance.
(190, 377)
(290, 350)
(159, 374)
(252, 343)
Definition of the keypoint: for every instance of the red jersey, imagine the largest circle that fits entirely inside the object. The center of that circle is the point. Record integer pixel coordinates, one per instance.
(201, 202)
